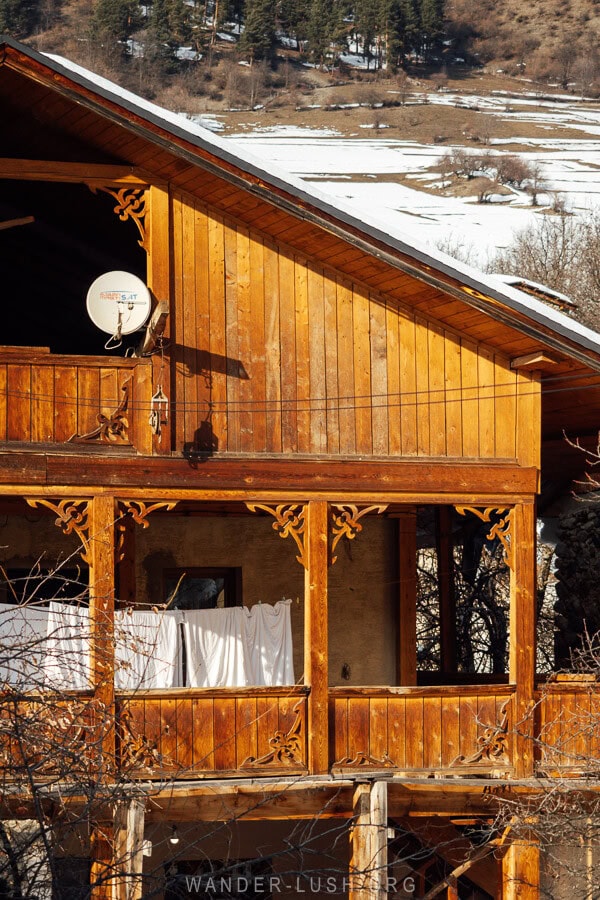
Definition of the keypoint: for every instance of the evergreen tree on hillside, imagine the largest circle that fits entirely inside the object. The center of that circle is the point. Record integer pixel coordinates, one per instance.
(168, 28)
(326, 30)
(115, 20)
(293, 19)
(411, 24)
(432, 24)
(368, 24)
(258, 39)
(18, 17)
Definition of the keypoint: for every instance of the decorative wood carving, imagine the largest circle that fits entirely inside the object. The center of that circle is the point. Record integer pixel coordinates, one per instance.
(139, 512)
(131, 204)
(492, 744)
(502, 529)
(361, 760)
(111, 429)
(345, 521)
(136, 750)
(289, 520)
(72, 516)
(288, 746)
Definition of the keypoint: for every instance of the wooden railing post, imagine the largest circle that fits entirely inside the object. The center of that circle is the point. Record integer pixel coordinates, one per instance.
(316, 544)
(407, 564)
(128, 848)
(522, 632)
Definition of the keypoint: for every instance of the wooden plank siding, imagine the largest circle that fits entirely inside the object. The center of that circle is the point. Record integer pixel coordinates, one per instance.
(566, 724)
(291, 357)
(189, 733)
(415, 728)
(48, 398)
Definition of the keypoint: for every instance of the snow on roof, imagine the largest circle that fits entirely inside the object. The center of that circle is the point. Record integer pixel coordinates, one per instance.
(228, 150)
(521, 283)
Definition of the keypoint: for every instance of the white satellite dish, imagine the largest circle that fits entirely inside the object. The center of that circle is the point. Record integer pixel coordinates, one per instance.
(118, 303)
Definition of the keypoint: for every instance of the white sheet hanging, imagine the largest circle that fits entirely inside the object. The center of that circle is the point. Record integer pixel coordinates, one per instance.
(215, 642)
(237, 646)
(67, 661)
(269, 643)
(147, 649)
(23, 631)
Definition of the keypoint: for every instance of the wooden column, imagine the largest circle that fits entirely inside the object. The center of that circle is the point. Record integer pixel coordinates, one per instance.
(446, 591)
(316, 549)
(101, 554)
(101, 870)
(521, 871)
(522, 631)
(129, 844)
(407, 595)
(368, 863)
(158, 250)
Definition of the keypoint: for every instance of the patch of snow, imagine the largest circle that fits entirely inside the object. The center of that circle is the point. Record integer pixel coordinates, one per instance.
(223, 36)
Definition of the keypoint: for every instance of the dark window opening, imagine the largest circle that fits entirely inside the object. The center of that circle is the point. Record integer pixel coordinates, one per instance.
(42, 585)
(49, 263)
(203, 588)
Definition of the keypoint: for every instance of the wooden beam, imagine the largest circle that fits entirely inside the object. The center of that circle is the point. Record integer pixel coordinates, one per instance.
(316, 674)
(521, 870)
(522, 633)
(77, 173)
(447, 595)
(531, 362)
(407, 625)
(128, 848)
(357, 481)
(368, 838)
(13, 223)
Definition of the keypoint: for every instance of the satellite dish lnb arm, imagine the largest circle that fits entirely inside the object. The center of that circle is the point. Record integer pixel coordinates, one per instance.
(154, 329)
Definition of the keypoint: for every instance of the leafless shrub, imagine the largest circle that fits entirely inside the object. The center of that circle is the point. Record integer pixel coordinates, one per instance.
(512, 170)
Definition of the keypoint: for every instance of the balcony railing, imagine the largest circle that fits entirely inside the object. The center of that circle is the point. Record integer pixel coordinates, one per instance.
(47, 398)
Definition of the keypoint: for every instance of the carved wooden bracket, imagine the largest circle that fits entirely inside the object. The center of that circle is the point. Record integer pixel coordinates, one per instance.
(131, 204)
(345, 521)
(72, 516)
(502, 529)
(139, 512)
(289, 520)
(111, 429)
(491, 747)
(363, 760)
(288, 746)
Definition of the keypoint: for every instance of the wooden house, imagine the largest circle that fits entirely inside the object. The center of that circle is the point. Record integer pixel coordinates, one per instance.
(308, 384)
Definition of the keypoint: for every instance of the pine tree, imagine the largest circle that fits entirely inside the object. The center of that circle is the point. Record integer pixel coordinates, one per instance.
(258, 39)
(115, 20)
(368, 24)
(432, 24)
(293, 19)
(18, 17)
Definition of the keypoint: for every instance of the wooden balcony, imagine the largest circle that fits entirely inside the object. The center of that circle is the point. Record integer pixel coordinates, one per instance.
(188, 733)
(48, 398)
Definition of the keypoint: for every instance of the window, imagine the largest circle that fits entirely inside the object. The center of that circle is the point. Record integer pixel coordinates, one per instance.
(203, 588)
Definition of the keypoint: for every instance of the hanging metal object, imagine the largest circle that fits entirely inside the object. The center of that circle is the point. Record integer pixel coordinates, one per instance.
(159, 414)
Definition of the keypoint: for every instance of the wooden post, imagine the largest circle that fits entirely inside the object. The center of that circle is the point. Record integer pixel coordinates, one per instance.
(129, 844)
(101, 871)
(158, 250)
(315, 633)
(521, 871)
(102, 603)
(446, 591)
(407, 557)
(368, 863)
(522, 632)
